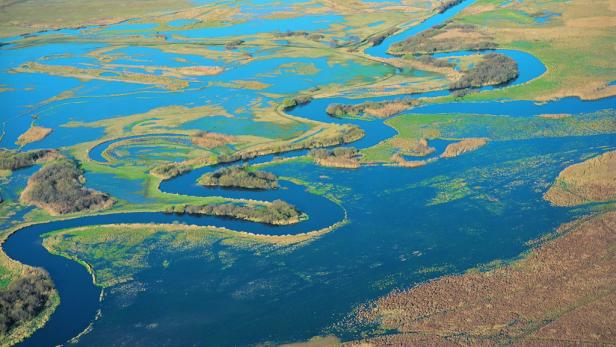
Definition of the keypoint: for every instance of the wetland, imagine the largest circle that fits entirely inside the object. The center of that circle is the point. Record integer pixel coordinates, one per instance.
(264, 172)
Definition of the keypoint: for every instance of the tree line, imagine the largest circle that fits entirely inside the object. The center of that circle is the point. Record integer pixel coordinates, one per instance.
(425, 42)
(12, 160)
(277, 212)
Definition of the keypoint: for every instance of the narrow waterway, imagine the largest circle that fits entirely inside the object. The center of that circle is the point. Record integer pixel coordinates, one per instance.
(80, 297)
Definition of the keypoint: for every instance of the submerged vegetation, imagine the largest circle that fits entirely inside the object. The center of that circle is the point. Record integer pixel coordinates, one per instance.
(277, 212)
(240, 177)
(247, 119)
(414, 127)
(466, 145)
(58, 189)
(479, 306)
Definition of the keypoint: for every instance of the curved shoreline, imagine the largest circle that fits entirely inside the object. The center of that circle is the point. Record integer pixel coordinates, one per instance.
(76, 287)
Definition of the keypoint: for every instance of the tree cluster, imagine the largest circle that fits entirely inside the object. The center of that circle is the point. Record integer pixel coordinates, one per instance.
(240, 177)
(24, 299)
(346, 110)
(310, 36)
(494, 69)
(12, 160)
(276, 213)
(169, 170)
(290, 103)
(340, 152)
(58, 187)
(445, 5)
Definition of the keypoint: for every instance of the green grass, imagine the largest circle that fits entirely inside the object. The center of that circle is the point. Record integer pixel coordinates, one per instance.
(115, 253)
(493, 127)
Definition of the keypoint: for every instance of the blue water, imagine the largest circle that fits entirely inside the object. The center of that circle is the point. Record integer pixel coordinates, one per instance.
(257, 26)
(381, 50)
(395, 229)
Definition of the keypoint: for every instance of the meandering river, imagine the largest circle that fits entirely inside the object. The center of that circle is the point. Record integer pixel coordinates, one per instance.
(80, 297)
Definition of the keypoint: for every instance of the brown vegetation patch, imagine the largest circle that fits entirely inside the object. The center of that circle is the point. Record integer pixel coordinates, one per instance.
(412, 147)
(35, 133)
(445, 38)
(387, 109)
(199, 70)
(554, 116)
(400, 161)
(590, 181)
(211, 140)
(347, 158)
(466, 145)
(381, 109)
(563, 291)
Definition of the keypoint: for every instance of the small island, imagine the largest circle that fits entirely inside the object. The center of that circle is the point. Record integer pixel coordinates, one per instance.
(341, 157)
(277, 212)
(382, 109)
(464, 146)
(493, 69)
(33, 134)
(58, 188)
(239, 177)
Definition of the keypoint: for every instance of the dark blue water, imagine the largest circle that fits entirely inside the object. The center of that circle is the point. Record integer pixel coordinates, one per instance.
(392, 218)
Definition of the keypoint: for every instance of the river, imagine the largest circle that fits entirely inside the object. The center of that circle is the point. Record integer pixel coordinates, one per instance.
(80, 297)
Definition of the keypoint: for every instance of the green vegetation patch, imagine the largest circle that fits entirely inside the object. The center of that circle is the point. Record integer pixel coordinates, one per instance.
(491, 127)
(115, 253)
